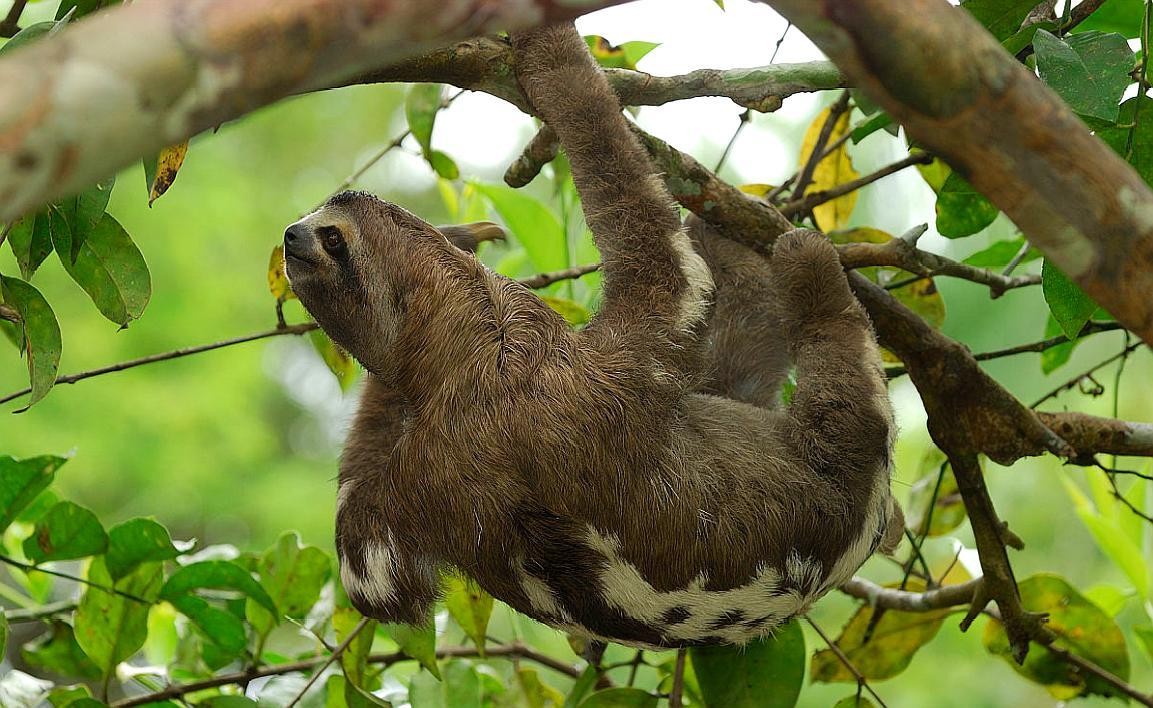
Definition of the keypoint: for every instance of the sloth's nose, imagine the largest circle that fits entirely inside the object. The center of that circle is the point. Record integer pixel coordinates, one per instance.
(295, 237)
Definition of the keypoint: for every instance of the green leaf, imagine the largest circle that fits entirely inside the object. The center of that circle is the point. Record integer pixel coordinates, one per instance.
(762, 674)
(338, 361)
(31, 242)
(878, 122)
(853, 701)
(137, 541)
(3, 634)
(354, 660)
(40, 334)
(26, 35)
(109, 627)
(1089, 72)
(443, 164)
(581, 687)
(108, 266)
(293, 575)
(82, 213)
(961, 209)
(1001, 17)
(1123, 16)
(223, 629)
(227, 702)
(1145, 637)
(1131, 138)
(889, 649)
(215, 575)
(625, 56)
(574, 313)
(21, 481)
(532, 223)
(65, 532)
(1121, 549)
(1001, 253)
(538, 694)
(626, 698)
(1055, 357)
(948, 510)
(58, 652)
(419, 642)
(64, 696)
(470, 606)
(420, 108)
(83, 7)
(1082, 629)
(1070, 306)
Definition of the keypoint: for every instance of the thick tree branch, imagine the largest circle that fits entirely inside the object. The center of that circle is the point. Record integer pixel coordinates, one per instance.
(127, 81)
(972, 103)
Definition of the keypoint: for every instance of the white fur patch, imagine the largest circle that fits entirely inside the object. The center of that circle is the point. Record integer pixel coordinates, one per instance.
(378, 585)
(761, 598)
(695, 302)
(540, 595)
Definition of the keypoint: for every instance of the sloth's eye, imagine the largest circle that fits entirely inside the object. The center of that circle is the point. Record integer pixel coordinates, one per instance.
(332, 240)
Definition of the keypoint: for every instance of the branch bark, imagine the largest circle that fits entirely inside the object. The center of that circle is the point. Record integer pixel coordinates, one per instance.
(129, 80)
(970, 102)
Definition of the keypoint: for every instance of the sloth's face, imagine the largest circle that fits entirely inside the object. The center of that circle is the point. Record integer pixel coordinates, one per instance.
(349, 264)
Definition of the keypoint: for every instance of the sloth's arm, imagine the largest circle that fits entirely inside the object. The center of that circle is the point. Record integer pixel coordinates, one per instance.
(657, 290)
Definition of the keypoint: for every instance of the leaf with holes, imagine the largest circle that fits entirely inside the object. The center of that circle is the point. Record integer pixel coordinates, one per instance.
(134, 542)
(65, 532)
(21, 481)
(470, 606)
(31, 242)
(881, 650)
(1001, 17)
(762, 674)
(108, 265)
(833, 170)
(111, 627)
(1070, 306)
(39, 333)
(1082, 629)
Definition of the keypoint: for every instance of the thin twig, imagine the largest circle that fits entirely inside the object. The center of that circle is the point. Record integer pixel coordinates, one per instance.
(11, 23)
(848, 664)
(805, 204)
(1091, 327)
(537, 281)
(513, 650)
(900, 253)
(678, 688)
(39, 613)
(30, 568)
(744, 120)
(340, 649)
(1088, 373)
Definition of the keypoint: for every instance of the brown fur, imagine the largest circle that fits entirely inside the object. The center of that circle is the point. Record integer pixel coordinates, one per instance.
(493, 439)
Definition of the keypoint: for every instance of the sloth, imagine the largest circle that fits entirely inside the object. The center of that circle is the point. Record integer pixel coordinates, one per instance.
(636, 481)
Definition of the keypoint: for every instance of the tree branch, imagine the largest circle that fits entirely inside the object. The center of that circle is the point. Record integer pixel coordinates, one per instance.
(1091, 327)
(862, 682)
(1005, 131)
(806, 203)
(905, 601)
(10, 25)
(129, 80)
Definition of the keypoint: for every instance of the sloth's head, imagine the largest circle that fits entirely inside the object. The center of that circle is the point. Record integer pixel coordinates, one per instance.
(359, 264)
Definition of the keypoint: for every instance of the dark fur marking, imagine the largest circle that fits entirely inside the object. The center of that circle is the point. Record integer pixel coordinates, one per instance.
(675, 615)
(728, 619)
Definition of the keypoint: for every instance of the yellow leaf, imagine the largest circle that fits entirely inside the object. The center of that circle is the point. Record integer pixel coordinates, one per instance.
(574, 313)
(167, 165)
(339, 362)
(836, 169)
(278, 283)
(757, 190)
